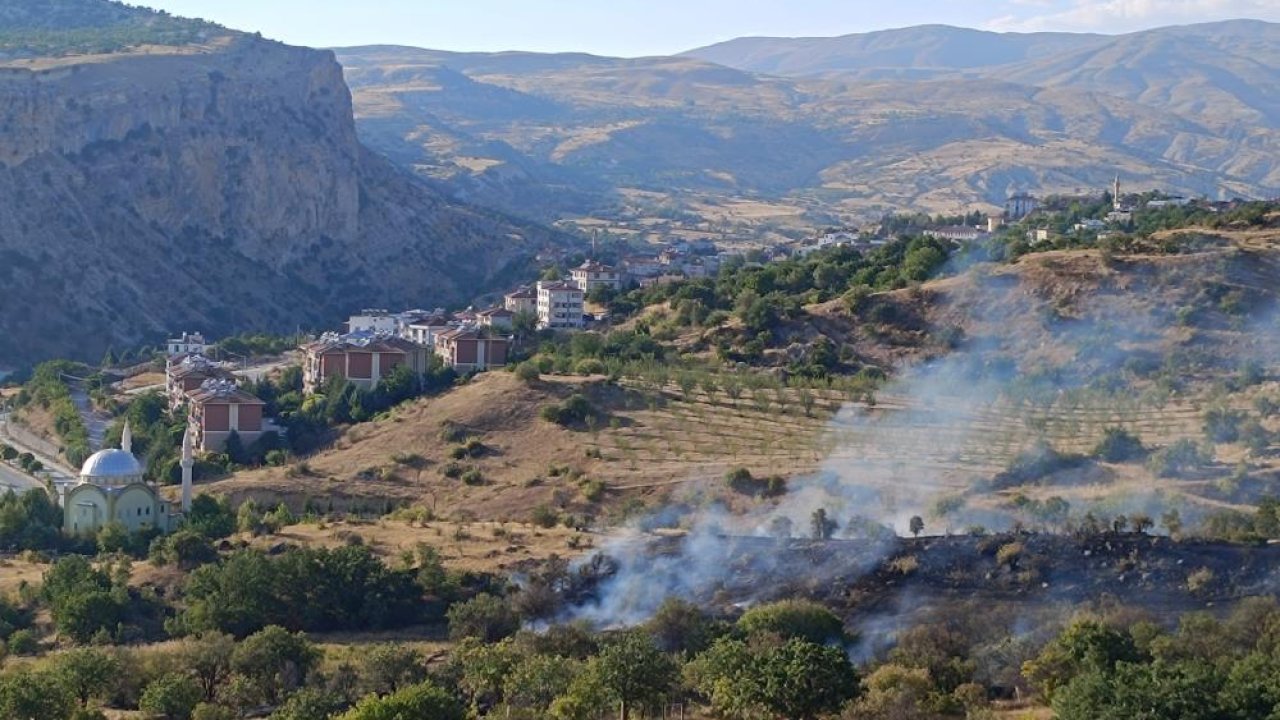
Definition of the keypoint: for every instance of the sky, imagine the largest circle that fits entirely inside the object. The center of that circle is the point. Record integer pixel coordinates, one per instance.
(631, 28)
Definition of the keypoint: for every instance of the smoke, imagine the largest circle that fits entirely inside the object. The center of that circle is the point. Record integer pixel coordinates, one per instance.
(1052, 353)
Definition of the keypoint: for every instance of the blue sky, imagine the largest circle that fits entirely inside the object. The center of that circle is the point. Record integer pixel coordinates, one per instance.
(650, 27)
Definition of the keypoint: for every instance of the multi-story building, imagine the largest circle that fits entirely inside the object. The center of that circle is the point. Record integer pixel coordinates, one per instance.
(499, 318)
(184, 373)
(560, 306)
(362, 358)
(470, 349)
(187, 344)
(219, 408)
(524, 300)
(591, 275)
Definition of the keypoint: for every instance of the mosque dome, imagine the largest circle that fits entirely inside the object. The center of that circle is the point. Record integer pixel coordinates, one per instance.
(111, 467)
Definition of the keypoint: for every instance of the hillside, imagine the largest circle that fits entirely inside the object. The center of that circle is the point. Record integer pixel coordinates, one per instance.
(218, 186)
(1049, 355)
(761, 139)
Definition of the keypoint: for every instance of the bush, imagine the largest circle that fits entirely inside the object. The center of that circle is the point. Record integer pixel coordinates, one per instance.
(1179, 459)
(1222, 425)
(1119, 445)
(473, 477)
(800, 619)
(484, 617)
(544, 517)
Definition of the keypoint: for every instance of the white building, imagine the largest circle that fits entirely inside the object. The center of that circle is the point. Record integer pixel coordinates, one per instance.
(560, 306)
(188, 344)
(373, 321)
(591, 275)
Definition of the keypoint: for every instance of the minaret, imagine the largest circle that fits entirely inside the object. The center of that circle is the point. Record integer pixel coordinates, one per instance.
(126, 438)
(1115, 195)
(186, 463)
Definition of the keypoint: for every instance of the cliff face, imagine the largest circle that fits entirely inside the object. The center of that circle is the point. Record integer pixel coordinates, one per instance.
(221, 188)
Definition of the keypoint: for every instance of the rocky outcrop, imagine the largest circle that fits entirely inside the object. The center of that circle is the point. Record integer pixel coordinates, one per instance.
(219, 187)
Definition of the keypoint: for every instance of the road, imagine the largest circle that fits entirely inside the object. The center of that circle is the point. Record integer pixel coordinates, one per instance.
(17, 438)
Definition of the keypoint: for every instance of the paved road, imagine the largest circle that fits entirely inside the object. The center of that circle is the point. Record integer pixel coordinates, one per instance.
(19, 482)
(17, 438)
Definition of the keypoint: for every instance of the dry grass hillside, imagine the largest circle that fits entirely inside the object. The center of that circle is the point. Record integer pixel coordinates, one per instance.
(1050, 351)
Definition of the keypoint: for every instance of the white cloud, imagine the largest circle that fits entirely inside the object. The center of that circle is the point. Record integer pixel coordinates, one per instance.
(1128, 15)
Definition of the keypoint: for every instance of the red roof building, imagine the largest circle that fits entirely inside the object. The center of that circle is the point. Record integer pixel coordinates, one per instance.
(472, 350)
(219, 408)
(362, 359)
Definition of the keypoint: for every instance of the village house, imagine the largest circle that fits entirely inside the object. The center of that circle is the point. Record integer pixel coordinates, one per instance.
(591, 275)
(362, 358)
(372, 321)
(1019, 206)
(219, 408)
(470, 349)
(184, 373)
(187, 344)
(498, 318)
(641, 266)
(524, 300)
(560, 306)
(424, 330)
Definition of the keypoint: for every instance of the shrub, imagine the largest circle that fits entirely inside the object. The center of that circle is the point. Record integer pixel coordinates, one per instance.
(453, 470)
(528, 372)
(1119, 445)
(1180, 458)
(473, 477)
(593, 490)
(544, 517)
(1222, 425)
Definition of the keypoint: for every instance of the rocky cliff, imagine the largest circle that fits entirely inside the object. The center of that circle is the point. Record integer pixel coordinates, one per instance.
(219, 187)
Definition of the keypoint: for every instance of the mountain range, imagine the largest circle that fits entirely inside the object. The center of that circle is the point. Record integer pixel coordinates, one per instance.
(832, 130)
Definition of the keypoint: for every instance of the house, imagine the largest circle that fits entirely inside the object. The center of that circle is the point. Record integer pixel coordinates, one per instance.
(524, 300)
(560, 306)
(591, 275)
(470, 349)
(1019, 206)
(187, 344)
(372, 321)
(424, 330)
(641, 266)
(956, 233)
(184, 373)
(219, 408)
(496, 318)
(362, 358)
(1038, 235)
(1089, 225)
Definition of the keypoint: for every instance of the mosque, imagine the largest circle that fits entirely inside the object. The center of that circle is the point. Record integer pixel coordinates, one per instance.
(111, 488)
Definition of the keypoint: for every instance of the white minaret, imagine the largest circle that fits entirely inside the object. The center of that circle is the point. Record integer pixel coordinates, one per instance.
(126, 438)
(1115, 195)
(188, 446)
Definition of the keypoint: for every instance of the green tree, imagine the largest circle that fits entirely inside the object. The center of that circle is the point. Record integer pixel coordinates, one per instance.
(634, 671)
(27, 695)
(802, 619)
(208, 657)
(389, 667)
(309, 704)
(536, 681)
(418, 702)
(172, 696)
(485, 617)
(275, 661)
(1084, 646)
(89, 673)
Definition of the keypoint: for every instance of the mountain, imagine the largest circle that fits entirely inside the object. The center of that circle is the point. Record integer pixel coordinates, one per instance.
(923, 51)
(217, 185)
(761, 139)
